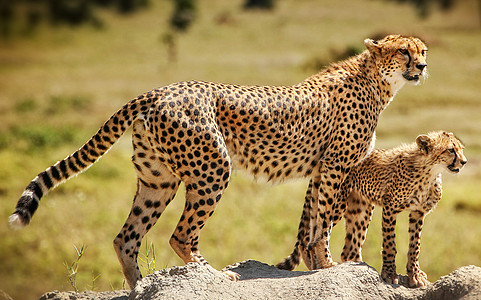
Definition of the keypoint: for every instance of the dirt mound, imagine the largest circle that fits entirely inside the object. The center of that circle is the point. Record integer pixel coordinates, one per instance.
(261, 281)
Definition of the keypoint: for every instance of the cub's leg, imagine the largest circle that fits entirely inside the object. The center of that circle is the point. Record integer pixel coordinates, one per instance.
(388, 272)
(156, 187)
(204, 189)
(416, 276)
(357, 218)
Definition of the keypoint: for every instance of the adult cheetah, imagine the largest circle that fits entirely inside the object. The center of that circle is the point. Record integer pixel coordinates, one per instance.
(404, 178)
(194, 132)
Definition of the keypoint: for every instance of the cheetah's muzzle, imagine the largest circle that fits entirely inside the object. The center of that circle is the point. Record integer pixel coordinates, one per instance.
(453, 169)
(411, 77)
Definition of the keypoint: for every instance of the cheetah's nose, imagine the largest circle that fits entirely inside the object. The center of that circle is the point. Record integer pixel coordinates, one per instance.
(463, 162)
(421, 66)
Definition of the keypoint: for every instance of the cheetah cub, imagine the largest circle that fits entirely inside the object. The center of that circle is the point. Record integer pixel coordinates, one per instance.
(404, 178)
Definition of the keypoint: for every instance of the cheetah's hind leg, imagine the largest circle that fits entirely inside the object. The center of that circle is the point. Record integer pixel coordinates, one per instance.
(204, 188)
(156, 187)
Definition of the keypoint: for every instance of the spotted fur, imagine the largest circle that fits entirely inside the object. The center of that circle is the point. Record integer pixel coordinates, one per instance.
(404, 178)
(195, 131)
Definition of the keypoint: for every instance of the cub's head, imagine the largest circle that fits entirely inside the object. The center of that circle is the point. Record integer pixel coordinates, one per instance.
(399, 59)
(444, 150)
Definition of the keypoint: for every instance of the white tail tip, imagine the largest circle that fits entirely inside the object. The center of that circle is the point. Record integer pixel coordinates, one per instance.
(16, 222)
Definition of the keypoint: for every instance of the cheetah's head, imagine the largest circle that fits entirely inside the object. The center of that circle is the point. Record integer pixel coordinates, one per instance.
(399, 59)
(444, 150)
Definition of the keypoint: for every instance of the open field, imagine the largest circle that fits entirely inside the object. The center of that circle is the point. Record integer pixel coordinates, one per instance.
(57, 87)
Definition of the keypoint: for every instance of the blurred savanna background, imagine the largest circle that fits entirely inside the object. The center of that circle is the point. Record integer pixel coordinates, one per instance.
(66, 66)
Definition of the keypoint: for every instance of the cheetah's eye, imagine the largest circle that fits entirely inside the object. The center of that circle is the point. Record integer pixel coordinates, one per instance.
(424, 52)
(403, 51)
(451, 150)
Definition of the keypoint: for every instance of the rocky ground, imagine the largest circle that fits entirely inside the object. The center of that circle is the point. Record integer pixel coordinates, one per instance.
(261, 281)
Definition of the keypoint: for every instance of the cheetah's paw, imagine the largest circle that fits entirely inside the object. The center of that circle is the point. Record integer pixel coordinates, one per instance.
(317, 265)
(391, 278)
(418, 279)
(231, 275)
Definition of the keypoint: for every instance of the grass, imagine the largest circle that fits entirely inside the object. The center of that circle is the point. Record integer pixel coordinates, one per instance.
(58, 87)
(72, 268)
(146, 258)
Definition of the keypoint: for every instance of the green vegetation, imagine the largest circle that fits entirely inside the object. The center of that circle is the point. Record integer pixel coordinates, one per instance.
(72, 268)
(58, 87)
(146, 259)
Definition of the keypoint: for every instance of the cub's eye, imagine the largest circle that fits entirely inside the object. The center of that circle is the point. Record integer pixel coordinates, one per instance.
(424, 52)
(403, 51)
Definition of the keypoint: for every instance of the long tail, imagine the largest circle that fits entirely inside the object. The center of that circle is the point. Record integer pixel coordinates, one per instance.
(80, 160)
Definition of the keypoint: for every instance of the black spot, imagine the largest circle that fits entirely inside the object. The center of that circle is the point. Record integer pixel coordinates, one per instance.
(165, 185)
(137, 211)
(101, 147)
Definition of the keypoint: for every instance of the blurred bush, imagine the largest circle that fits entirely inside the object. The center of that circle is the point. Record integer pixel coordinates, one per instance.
(317, 63)
(259, 4)
(21, 17)
(424, 7)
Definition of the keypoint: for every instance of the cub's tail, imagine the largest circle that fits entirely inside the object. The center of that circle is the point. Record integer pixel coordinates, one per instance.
(292, 261)
(80, 160)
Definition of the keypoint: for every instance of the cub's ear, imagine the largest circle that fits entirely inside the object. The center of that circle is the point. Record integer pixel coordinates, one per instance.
(424, 143)
(372, 45)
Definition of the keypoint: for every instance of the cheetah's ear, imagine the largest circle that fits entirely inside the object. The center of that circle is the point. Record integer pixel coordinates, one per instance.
(372, 45)
(424, 143)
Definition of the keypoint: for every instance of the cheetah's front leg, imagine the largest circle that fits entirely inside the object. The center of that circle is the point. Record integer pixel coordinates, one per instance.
(327, 211)
(416, 276)
(303, 234)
